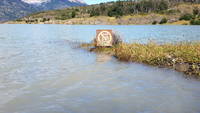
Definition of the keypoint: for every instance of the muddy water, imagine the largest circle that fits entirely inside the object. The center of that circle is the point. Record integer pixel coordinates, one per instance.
(40, 72)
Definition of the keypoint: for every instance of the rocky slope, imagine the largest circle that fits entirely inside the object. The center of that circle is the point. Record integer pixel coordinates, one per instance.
(13, 9)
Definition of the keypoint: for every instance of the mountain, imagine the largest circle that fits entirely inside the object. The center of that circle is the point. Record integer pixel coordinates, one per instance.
(14, 9)
(59, 4)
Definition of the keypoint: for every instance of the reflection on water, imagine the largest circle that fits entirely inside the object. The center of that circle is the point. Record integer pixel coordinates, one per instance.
(103, 58)
(41, 73)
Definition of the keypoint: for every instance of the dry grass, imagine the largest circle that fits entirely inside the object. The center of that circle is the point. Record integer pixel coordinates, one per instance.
(153, 53)
(180, 22)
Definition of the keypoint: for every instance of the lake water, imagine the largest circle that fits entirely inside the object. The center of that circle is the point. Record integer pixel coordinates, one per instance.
(41, 72)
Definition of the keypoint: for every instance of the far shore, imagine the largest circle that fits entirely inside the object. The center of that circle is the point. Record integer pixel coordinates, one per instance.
(105, 20)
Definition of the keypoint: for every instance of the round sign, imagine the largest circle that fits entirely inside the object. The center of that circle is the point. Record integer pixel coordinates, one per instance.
(104, 37)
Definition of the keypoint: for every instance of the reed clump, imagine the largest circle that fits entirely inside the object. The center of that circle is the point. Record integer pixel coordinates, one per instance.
(184, 57)
(153, 53)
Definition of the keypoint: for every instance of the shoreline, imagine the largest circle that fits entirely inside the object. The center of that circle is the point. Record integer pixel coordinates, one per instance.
(138, 19)
(168, 24)
(93, 23)
(183, 57)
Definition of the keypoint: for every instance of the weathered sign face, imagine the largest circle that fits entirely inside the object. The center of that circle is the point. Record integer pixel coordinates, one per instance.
(104, 38)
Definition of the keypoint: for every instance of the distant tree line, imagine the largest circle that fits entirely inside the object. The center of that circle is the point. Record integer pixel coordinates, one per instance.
(121, 8)
(127, 7)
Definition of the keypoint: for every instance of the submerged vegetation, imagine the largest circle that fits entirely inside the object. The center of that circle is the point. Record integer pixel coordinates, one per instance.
(122, 12)
(184, 57)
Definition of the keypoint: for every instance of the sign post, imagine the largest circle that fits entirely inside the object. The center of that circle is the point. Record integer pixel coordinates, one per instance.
(104, 38)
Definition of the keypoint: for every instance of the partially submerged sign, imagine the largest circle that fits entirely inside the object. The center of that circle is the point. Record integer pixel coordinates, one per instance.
(104, 38)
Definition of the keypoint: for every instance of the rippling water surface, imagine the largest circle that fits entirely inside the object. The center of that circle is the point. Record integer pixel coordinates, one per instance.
(40, 72)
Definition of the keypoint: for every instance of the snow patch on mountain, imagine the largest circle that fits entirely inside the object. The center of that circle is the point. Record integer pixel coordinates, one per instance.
(35, 1)
(79, 1)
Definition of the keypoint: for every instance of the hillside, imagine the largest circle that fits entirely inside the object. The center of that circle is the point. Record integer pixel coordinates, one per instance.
(121, 12)
(14, 9)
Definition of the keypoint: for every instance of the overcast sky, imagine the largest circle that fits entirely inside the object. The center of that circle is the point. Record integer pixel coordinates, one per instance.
(97, 1)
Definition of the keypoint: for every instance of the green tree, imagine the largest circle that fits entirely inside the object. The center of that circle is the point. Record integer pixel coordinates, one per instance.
(186, 17)
(94, 12)
(195, 22)
(196, 11)
(73, 15)
(154, 22)
(163, 21)
(102, 8)
(116, 9)
(163, 5)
